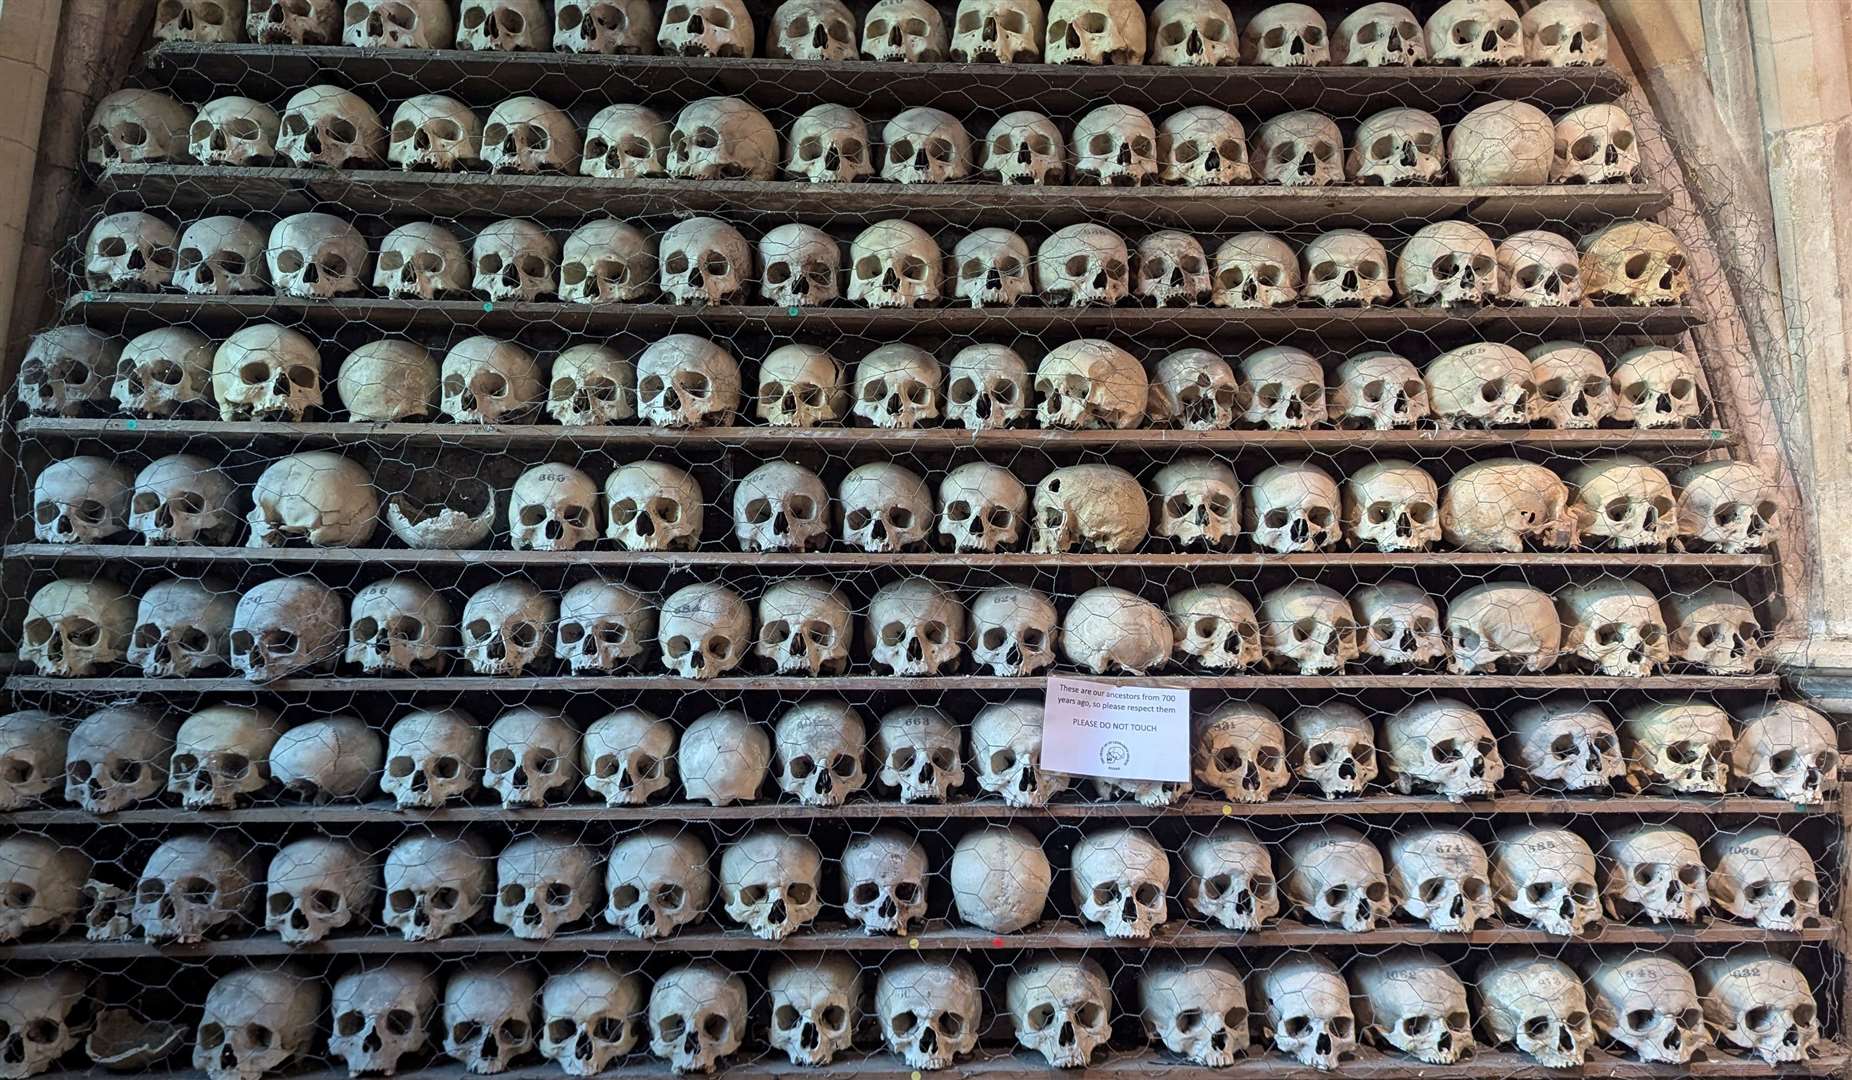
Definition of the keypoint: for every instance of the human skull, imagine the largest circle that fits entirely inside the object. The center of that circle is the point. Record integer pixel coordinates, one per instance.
(1573, 387)
(1727, 506)
(1614, 626)
(885, 508)
(1215, 627)
(1240, 751)
(991, 267)
(81, 500)
(1170, 268)
(1655, 870)
(436, 885)
(516, 260)
(1095, 32)
(221, 756)
(652, 506)
(1442, 745)
(1657, 388)
(997, 31)
(657, 881)
(816, 1006)
(436, 133)
(904, 30)
(115, 757)
(1682, 746)
(332, 757)
(1336, 876)
(1197, 1008)
(1083, 265)
(182, 499)
(235, 131)
(724, 758)
(1442, 877)
(1308, 628)
(1540, 269)
(820, 746)
(898, 386)
(1546, 876)
(1113, 146)
(1109, 630)
(1379, 35)
(1299, 149)
(1255, 270)
(987, 387)
(1567, 744)
(67, 369)
(1379, 391)
(1764, 876)
(41, 886)
(604, 626)
(801, 265)
(553, 507)
(1448, 263)
(533, 757)
(399, 24)
(507, 627)
(400, 624)
(1596, 144)
(719, 28)
(1505, 504)
(704, 261)
(138, 127)
(626, 142)
(183, 627)
(1024, 147)
(1194, 33)
(266, 372)
(1196, 390)
(1476, 33)
(1061, 1007)
(1566, 33)
(1761, 1003)
(1013, 631)
(332, 128)
(918, 752)
(318, 885)
(488, 1018)
(1334, 746)
(1396, 147)
(930, 1011)
(316, 256)
(628, 756)
(722, 138)
(1347, 268)
(382, 1015)
(1415, 1003)
(1787, 750)
(220, 256)
(1392, 506)
(1400, 625)
(502, 26)
(1286, 35)
(1293, 507)
(829, 144)
(1229, 879)
(884, 881)
(1283, 388)
(256, 1022)
(280, 22)
(1649, 1005)
(432, 758)
(812, 30)
(286, 626)
(591, 386)
(1306, 1010)
(705, 631)
(1000, 877)
(1503, 627)
(1090, 383)
(1625, 502)
(1503, 144)
(389, 381)
(804, 628)
(800, 386)
(982, 507)
(1006, 746)
(606, 261)
(74, 628)
(1121, 879)
(1202, 145)
(1636, 263)
(545, 883)
(193, 886)
(605, 27)
(915, 627)
(771, 882)
(925, 146)
(129, 252)
(684, 381)
(317, 497)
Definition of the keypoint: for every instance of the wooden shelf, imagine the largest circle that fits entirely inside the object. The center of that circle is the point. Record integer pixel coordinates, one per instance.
(570, 199)
(115, 311)
(945, 439)
(483, 79)
(973, 810)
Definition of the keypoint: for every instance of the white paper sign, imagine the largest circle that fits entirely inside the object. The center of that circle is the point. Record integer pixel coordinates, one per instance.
(1121, 732)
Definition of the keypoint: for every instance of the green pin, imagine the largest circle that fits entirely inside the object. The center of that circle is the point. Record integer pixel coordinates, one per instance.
(132, 424)
(791, 311)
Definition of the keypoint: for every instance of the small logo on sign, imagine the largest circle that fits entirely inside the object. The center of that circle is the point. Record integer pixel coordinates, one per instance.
(1114, 755)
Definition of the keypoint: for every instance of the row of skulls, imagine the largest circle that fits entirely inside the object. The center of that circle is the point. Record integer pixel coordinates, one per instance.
(270, 372)
(914, 627)
(820, 753)
(1178, 33)
(892, 264)
(1505, 143)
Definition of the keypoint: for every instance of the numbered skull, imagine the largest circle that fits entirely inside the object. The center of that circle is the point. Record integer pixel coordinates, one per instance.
(705, 631)
(919, 752)
(1240, 751)
(1764, 876)
(1649, 1005)
(1414, 1002)
(1442, 877)
(286, 626)
(1545, 875)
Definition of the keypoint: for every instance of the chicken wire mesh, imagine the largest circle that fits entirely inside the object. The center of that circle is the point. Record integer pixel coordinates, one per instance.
(512, 576)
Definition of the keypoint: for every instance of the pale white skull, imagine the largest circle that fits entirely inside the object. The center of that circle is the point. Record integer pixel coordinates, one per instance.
(812, 30)
(1294, 507)
(1504, 505)
(771, 882)
(400, 625)
(1568, 744)
(1114, 146)
(591, 386)
(1379, 35)
(704, 261)
(899, 386)
(1061, 1007)
(1194, 33)
(804, 628)
(800, 265)
(389, 381)
(81, 500)
(1787, 750)
(987, 387)
(1299, 149)
(1545, 875)
(220, 256)
(41, 886)
(705, 631)
(382, 1015)
(653, 506)
(1503, 144)
(1764, 876)
(1095, 32)
(1308, 628)
(606, 261)
(925, 146)
(318, 497)
(628, 756)
(1109, 630)
(719, 28)
(1255, 270)
(332, 128)
(129, 252)
(544, 884)
(930, 1011)
(67, 369)
(1682, 746)
(1336, 876)
(489, 1016)
(1024, 147)
(1379, 391)
(1283, 389)
(1006, 747)
(436, 133)
(1397, 147)
(1762, 1003)
(1392, 506)
(115, 757)
(1573, 389)
(195, 885)
(1239, 750)
(1442, 745)
(1727, 506)
(503, 26)
(1635, 263)
(553, 507)
(1229, 879)
(266, 372)
(399, 24)
(884, 881)
(1215, 627)
(1540, 269)
(829, 144)
(1013, 631)
(684, 380)
(432, 758)
(816, 1005)
(436, 885)
(697, 1012)
(1448, 263)
(885, 508)
(800, 386)
(915, 627)
(282, 22)
(514, 259)
(1503, 627)
(722, 138)
(1347, 268)
(138, 127)
(316, 256)
(1196, 1008)
(221, 756)
(533, 757)
(1656, 387)
(507, 627)
(1566, 33)
(997, 31)
(1624, 503)
(657, 881)
(1082, 265)
(820, 749)
(1334, 746)
(287, 626)
(724, 758)
(604, 626)
(991, 267)
(1194, 389)
(1202, 145)
(1414, 1002)
(1442, 877)
(1000, 877)
(918, 752)
(1170, 268)
(1121, 880)
(1475, 33)
(1090, 383)
(1656, 871)
(1400, 625)
(328, 758)
(182, 499)
(1306, 1009)
(527, 135)
(1614, 627)
(982, 507)
(256, 1022)
(626, 142)
(74, 628)
(904, 30)
(1286, 35)
(317, 885)
(235, 131)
